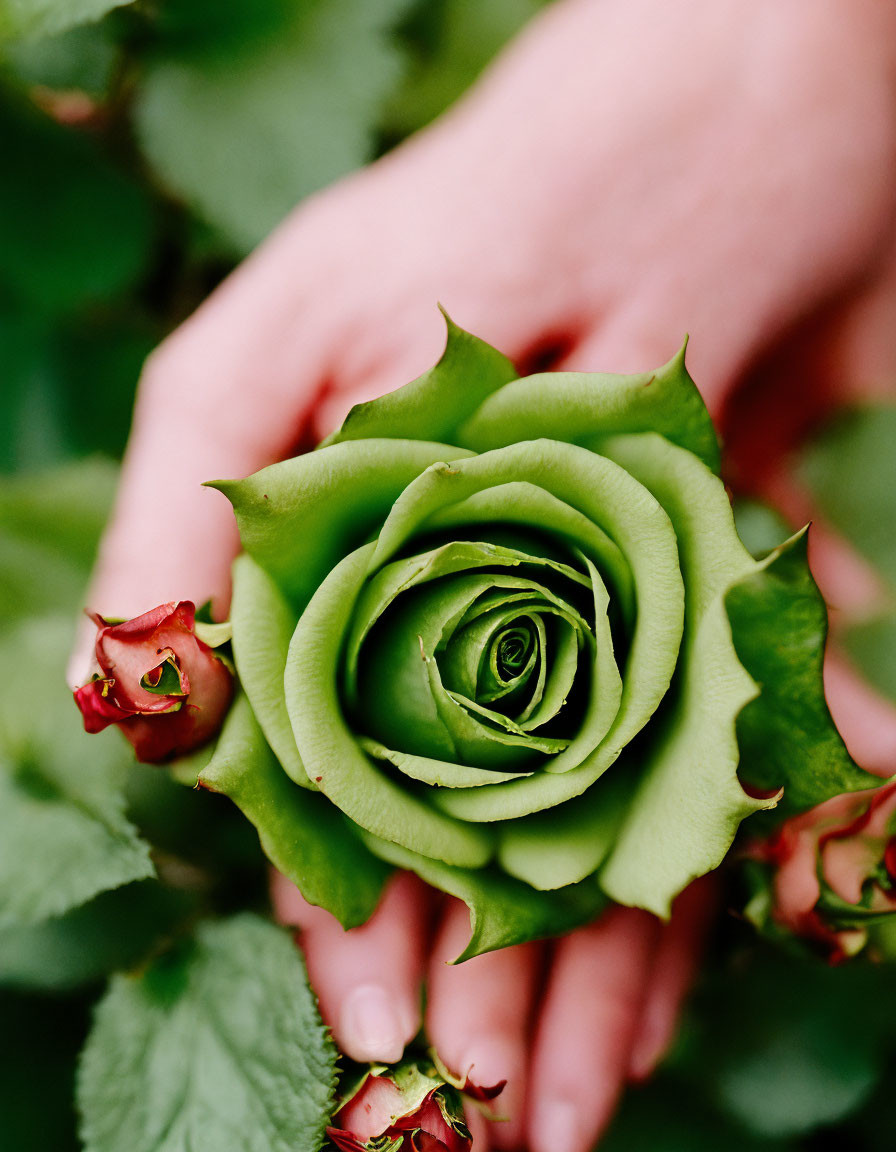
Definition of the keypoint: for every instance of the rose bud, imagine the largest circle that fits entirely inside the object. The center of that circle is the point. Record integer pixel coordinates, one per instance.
(832, 871)
(407, 1108)
(165, 688)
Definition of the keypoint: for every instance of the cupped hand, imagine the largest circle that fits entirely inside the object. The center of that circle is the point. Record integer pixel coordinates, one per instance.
(626, 172)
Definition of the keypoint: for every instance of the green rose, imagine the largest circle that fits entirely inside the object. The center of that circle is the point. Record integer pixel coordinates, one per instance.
(503, 632)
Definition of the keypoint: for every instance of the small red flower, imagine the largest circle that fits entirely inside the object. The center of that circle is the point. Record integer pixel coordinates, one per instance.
(833, 866)
(406, 1109)
(166, 690)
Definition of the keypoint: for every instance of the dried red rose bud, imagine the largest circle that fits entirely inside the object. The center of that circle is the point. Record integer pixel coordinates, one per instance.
(166, 689)
(833, 869)
(408, 1108)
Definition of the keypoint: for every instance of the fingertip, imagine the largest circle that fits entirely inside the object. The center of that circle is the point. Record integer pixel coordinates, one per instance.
(556, 1126)
(650, 1045)
(375, 1024)
(367, 979)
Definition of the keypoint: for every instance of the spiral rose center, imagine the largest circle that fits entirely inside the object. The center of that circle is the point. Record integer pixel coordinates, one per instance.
(512, 647)
(477, 665)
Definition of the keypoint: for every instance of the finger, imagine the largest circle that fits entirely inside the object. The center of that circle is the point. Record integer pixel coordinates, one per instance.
(226, 394)
(478, 1017)
(588, 1025)
(674, 967)
(367, 979)
(478, 1126)
(866, 721)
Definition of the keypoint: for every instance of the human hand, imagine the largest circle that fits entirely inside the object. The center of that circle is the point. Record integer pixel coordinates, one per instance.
(567, 1023)
(622, 175)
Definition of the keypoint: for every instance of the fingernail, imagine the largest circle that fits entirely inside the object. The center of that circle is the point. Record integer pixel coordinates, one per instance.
(555, 1127)
(644, 1059)
(649, 1046)
(371, 1025)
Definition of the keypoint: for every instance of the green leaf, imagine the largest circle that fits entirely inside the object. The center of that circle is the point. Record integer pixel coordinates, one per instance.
(503, 911)
(32, 433)
(64, 835)
(871, 645)
(68, 383)
(63, 508)
(73, 229)
(50, 523)
(301, 833)
(96, 363)
(80, 58)
(851, 472)
(786, 735)
(33, 18)
(584, 407)
(243, 128)
(214, 1046)
(433, 406)
(113, 931)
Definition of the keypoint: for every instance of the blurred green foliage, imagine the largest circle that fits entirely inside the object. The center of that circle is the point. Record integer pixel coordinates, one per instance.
(777, 1054)
(148, 145)
(850, 468)
(146, 151)
(244, 126)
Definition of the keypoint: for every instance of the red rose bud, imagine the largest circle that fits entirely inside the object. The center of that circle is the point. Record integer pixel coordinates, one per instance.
(407, 1108)
(833, 871)
(165, 688)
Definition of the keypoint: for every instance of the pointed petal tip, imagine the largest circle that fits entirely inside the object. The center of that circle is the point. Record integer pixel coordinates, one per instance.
(678, 360)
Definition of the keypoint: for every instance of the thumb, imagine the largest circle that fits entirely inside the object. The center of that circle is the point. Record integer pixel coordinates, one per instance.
(211, 404)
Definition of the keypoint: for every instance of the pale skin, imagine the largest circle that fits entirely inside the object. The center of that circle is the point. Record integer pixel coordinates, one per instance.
(628, 171)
